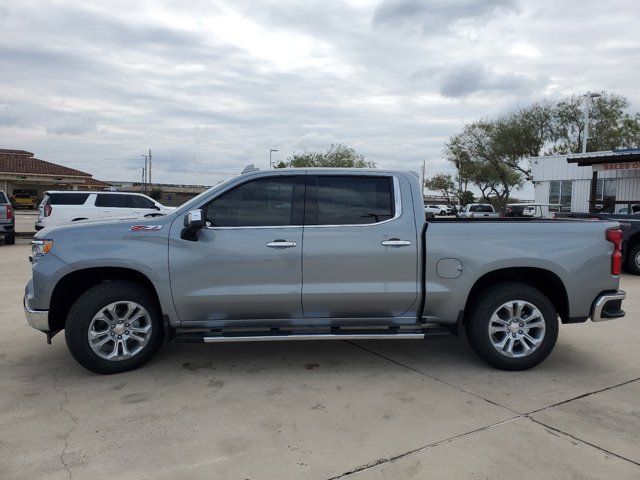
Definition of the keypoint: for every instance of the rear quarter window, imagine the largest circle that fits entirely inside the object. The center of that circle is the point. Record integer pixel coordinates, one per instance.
(3, 198)
(68, 198)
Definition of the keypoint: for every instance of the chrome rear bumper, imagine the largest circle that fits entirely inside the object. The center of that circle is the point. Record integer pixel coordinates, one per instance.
(38, 319)
(600, 312)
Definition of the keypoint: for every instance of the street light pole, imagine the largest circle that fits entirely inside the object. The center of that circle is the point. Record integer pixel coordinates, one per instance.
(271, 150)
(589, 96)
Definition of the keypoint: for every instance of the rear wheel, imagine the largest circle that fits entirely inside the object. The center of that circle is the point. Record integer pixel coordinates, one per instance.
(632, 262)
(10, 239)
(114, 327)
(513, 326)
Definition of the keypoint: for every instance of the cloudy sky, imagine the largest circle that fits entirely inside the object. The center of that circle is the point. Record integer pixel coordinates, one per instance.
(93, 84)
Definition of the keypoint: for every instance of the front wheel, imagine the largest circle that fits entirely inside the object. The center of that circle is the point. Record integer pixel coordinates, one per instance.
(114, 327)
(513, 326)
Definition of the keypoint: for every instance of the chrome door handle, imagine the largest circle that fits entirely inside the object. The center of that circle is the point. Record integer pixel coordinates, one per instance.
(281, 244)
(395, 242)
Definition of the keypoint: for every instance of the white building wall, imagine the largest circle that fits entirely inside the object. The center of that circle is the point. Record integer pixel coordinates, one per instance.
(545, 169)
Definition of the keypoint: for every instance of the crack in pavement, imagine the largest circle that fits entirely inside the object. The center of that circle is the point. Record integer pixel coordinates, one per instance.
(73, 418)
(584, 395)
(434, 378)
(519, 415)
(609, 452)
(381, 461)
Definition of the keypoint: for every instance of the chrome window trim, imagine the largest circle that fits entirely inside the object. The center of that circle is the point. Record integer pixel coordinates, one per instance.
(397, 213)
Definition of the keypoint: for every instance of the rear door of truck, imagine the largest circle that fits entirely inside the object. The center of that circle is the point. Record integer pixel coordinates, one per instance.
(360, 256)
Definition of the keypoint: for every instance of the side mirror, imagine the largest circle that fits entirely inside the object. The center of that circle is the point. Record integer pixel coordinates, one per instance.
(193, 223)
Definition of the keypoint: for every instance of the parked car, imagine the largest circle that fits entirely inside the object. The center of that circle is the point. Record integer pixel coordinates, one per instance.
(7, 220)
(445, 208)
(478, 210)
(435, 209)
(538, 210)
(228, 265)
(23, 200)
(62, 207)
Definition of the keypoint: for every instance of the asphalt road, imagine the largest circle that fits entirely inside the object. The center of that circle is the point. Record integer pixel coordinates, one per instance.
(319, 410)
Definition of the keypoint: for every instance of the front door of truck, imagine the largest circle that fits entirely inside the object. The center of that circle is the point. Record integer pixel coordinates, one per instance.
(360, 254)
(247, 263)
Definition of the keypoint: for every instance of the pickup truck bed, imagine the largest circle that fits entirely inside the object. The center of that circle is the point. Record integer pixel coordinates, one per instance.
(319, 254)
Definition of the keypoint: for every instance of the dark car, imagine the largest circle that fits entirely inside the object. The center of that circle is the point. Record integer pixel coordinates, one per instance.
(7, 220)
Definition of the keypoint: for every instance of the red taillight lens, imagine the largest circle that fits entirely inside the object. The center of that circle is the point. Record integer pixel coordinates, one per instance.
(614, 235)
(47, 210)
(9, 212)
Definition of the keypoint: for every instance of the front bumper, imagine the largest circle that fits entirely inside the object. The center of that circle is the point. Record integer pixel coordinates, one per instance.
(607, 306)
(38, 319)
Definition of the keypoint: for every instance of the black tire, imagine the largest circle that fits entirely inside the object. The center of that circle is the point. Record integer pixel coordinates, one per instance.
(89, 304)
(10, 240)
(632, 260)
(487, 302)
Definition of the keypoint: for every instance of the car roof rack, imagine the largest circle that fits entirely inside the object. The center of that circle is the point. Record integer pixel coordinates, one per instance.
(250, 168)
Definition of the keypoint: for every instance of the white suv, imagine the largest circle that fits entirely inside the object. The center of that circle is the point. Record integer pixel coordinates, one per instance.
(61, 207)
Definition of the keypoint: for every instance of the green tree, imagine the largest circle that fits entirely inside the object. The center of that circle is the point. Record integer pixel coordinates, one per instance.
(610, 124)
(443, 183)
(337, 155)
(484, 163)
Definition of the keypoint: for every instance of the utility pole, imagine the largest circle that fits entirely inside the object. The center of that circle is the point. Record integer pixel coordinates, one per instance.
(424, 165)
(271, 150)
(144, 173)
(150, 182)
(589, 96)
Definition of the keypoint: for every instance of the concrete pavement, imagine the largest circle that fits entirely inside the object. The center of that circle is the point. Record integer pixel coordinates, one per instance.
(320, 410)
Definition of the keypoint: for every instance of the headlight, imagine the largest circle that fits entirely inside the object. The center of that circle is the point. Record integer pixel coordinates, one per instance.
(40, 248)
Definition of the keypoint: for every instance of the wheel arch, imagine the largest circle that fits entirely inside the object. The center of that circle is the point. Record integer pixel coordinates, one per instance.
(71, 286)
(544, 280)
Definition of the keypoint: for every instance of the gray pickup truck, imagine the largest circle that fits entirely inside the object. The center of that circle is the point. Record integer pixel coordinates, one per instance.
(319, 254)
(7, 220)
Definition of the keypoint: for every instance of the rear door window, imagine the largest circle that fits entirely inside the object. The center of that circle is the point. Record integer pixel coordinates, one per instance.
(68, 198)
(112, 201)
(351, 200)
(3, 198)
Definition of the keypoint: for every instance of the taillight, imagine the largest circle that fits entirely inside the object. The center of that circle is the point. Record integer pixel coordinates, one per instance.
(9, 212)
(614, 235)
(47, 209)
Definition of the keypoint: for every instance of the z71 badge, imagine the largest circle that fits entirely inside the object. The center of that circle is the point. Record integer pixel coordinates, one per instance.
(144, 228)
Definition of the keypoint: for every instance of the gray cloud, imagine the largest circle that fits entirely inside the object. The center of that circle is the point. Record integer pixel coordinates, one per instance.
(466, 79)
(431, 16)
(72, 125)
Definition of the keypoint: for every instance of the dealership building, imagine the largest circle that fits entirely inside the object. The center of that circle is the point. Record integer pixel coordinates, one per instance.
(583, 182)
(22, 173)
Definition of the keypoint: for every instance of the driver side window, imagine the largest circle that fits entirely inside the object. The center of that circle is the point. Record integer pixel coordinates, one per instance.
(258, 203)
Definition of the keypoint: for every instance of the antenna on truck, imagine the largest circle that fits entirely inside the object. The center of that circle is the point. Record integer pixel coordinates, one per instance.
(250, 168)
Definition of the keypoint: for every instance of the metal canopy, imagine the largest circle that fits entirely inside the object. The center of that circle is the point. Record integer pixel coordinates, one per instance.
(597, 158)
